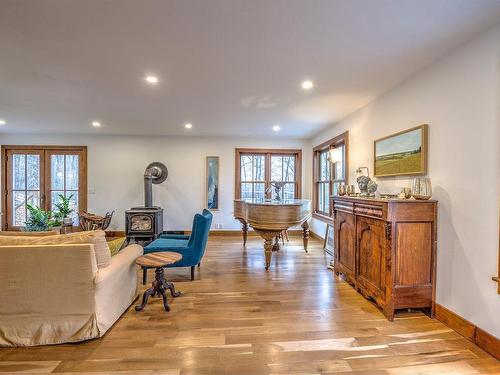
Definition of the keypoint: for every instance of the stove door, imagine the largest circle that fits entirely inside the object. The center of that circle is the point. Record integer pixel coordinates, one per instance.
(140, 223)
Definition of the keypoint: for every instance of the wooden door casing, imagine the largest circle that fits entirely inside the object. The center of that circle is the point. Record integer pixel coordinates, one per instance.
(9, 186)
(44, 151)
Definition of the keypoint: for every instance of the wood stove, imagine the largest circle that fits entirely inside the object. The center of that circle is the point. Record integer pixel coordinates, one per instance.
(143, 223)
(146, 223)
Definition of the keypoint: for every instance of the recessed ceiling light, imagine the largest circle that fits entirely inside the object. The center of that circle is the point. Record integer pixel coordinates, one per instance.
(96, 124)
(188, 125)
(151, 79)
(3, 122)
(276, 128)
(307, 85)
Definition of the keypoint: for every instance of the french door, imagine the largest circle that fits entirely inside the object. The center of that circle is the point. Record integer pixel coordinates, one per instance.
(38, 175)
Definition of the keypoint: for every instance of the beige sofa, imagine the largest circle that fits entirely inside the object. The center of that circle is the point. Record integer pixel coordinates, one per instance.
(51, 294)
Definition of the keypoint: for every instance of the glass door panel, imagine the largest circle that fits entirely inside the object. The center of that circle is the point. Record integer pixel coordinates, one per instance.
(64, 181)
(24, 180)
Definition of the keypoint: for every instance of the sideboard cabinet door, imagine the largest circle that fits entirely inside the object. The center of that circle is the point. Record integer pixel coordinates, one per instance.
(370, 273)
(345, 231)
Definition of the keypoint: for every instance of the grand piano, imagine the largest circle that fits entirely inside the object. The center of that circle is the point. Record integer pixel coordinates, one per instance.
(270, 217)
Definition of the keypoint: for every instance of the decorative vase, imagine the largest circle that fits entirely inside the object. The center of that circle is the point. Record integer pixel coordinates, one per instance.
(421, 188)
(342, 190)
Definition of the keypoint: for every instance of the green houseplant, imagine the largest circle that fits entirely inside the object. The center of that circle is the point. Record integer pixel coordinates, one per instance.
(63, 210)
(39, 220)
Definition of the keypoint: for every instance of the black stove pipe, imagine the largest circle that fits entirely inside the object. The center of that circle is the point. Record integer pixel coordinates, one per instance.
(149, 175)
(148, 191)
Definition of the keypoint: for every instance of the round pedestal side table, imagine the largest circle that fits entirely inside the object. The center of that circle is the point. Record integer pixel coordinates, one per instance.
(158, 261)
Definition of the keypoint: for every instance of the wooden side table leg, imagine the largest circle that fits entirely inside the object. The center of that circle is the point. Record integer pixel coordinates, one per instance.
(148, 293)
(164, 296)
(170, 286)
(158, 288)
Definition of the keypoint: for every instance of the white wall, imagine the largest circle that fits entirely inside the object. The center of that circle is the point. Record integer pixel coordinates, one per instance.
(459, 98)
(116, 167)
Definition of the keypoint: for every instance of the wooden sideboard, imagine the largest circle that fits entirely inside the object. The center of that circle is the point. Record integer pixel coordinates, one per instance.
(386, 248)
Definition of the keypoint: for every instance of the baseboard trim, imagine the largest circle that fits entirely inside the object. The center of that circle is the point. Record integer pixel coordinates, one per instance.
(481, 338)
(220, 233)
(315, 235)
(115, 233)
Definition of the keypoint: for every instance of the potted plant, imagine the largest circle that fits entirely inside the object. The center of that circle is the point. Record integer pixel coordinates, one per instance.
(39, 220)
(63, 210)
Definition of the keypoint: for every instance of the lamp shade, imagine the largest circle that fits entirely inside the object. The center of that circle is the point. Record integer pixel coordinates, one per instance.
(335, 155)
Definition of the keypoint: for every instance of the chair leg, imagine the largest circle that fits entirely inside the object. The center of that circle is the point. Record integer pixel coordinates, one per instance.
(199, 264)
(144, 276)
(192, 273)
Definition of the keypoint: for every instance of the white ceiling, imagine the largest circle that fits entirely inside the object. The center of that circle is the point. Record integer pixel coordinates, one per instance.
(230, 67)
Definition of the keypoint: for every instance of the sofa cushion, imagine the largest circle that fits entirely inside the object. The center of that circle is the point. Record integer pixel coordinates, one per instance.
(115, 245)
(163, 244)
(96, 238)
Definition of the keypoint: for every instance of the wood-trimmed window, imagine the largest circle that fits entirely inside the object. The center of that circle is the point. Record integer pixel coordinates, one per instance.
(256, 168)
(37, 175)
(326, 177)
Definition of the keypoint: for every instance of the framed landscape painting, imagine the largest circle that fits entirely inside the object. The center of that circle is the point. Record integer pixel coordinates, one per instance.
(401, 154)
(213, 182)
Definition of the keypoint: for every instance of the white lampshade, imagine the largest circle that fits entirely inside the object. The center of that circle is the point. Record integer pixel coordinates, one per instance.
(335, 155)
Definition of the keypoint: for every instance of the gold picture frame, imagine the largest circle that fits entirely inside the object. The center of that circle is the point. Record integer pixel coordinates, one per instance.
(401, 154)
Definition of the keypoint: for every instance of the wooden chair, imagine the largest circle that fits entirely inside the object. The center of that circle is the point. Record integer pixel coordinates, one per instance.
(90, 221)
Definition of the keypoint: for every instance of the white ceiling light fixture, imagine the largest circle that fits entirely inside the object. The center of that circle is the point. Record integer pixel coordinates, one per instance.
(307, 85)
(188, 125)
(96, 124)
(276, 128)
(151, 79)
(3, 122)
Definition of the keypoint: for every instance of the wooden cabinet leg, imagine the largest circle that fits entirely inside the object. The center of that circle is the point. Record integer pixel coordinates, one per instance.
(389, 313)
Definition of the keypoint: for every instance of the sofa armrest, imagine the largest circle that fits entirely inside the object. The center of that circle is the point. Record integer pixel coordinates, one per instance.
(116, 287)
(119, 262)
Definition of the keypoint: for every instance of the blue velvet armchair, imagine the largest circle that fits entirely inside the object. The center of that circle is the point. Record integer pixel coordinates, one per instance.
(192, 247)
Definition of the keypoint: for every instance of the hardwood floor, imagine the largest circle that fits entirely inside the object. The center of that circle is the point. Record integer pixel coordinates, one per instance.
(237, 319)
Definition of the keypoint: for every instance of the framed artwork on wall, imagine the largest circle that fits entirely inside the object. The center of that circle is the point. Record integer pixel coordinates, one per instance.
(401, 154)
(212, 182)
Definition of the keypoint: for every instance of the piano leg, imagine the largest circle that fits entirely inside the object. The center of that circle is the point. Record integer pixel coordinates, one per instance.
(268, 251)
(269, 237)
(244, 230)
(305, 234)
